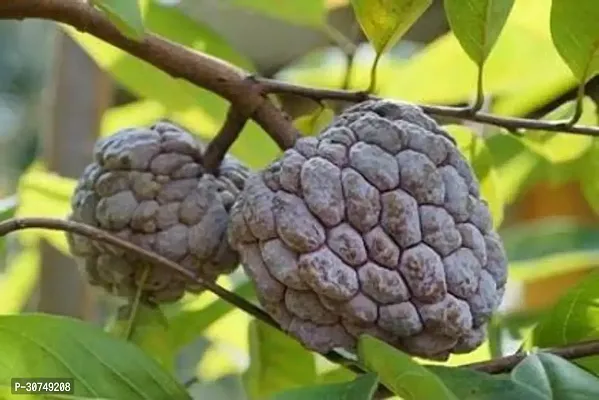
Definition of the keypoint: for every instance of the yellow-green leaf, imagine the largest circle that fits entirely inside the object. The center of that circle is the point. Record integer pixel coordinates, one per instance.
(311, 124)
(575, 34)
(477, 24)
(125, 15)
(277, 362)
(384, 22)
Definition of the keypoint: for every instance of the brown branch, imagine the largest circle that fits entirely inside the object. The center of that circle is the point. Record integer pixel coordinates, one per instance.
(218, 147)
(464, 113)
(506, 364)
(198, 68)
(93, 233)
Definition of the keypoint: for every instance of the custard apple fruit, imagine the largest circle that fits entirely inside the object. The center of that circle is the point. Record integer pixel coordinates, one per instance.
(374, 226)
(148, 186)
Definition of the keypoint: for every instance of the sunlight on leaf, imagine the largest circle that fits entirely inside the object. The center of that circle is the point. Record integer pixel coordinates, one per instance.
(312, 124)
(384, 22)
(277, 362)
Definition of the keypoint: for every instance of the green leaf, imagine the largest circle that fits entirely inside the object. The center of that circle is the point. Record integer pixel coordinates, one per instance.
(149, 331)
(477, 24)
(8, 208)
(399, 372)
(306, 12)
(574, 318)
(523, 72)
(467, 384)
(562, 147)
(361, 388)
(552, 377)
(384, 22)
(34, 345)
(277, 362)
(474, 148)
(575, 34)
(125, 15)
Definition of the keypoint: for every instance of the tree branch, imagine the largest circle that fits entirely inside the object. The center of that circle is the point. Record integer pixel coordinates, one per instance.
(218, 147)
(506, 364)
(200, 69)
(464, 113)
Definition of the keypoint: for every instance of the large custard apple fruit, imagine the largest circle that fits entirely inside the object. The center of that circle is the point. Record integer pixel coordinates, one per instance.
(374, 226)
(148, 186)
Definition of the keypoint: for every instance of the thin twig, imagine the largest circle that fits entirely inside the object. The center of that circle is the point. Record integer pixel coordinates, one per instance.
(464, 113)
(222, 142)
(198, 68)
(506, 364)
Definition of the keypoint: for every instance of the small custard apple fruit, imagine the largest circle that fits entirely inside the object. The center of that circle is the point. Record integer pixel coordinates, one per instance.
(148, 186)
(374, 226)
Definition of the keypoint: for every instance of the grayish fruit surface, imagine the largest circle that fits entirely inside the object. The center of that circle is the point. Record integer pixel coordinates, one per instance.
(148, 186)
(375, 226)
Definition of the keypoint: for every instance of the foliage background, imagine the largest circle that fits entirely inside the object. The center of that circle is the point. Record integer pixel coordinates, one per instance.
(542, 186)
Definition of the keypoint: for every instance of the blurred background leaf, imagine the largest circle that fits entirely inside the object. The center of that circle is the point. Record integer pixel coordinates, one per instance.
(574, 318)
(270, 370)
(123, 14)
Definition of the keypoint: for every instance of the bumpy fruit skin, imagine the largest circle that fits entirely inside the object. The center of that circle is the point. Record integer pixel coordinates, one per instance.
(148, 186)
(375, 226)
